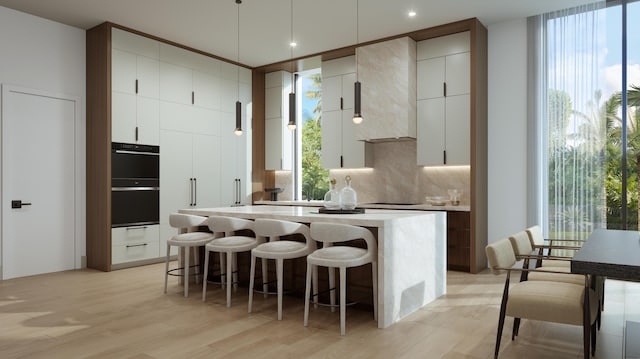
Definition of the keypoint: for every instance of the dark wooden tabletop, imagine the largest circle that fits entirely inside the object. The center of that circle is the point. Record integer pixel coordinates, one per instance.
(610, 253)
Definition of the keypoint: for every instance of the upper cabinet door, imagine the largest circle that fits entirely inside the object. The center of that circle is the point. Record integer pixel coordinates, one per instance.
(458, 130)
(206, 88)
(148, 76)
(348, 91)
(431, 78)
(331, 93)
(176, 83)
(123, 71)
(458, 74)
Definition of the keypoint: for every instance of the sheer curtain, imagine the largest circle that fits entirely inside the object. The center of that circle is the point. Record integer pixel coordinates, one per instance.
(567, 132)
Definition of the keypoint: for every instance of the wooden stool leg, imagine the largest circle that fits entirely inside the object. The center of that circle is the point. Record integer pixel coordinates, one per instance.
(206, 274)
(252, 274)
(279, 275)
(307, 293)
(343, 299)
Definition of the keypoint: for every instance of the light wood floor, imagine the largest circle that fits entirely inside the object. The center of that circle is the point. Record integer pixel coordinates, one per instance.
(124, 314)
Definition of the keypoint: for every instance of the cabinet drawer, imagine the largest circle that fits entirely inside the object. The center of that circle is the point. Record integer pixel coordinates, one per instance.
(135, 235)
(122, 253)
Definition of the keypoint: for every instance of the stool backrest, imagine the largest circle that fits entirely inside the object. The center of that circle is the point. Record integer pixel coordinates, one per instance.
(273, 229)
(181, 220)
(334, 232)
(500, 255)
(228, 225)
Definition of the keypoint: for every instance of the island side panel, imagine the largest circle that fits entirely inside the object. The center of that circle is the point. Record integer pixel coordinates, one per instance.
(412, 265)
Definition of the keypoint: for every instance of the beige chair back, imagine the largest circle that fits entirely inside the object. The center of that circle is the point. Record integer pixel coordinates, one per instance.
(521, 243)
(500, 255)
(334, 232)
(273, 229)
(535, 235)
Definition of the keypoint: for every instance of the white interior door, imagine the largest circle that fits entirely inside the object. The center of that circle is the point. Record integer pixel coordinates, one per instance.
(38, 168)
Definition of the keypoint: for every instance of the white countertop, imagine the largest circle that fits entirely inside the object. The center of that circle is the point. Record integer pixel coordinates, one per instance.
(306, 214)
(416, 207)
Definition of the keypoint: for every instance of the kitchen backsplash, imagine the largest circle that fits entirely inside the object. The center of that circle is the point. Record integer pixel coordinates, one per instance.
(395, 177)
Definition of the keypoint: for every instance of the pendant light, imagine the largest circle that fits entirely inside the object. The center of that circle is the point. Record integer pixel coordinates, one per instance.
(292, 95)
(238, 130)
(357, 111)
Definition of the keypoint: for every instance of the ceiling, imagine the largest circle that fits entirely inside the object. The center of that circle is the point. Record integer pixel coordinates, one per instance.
(266, 26)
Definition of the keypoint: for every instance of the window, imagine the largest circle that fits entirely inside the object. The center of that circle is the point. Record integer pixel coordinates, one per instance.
(587, 147)
(311, 180)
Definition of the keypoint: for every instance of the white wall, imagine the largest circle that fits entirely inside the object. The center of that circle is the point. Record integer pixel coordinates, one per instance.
(44, 55)
(507, 91)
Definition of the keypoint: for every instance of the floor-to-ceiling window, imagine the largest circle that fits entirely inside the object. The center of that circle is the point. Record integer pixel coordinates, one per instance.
(590, 149)
(309, 176)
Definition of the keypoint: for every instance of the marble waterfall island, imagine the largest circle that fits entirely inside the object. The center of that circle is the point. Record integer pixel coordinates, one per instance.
(412, 256)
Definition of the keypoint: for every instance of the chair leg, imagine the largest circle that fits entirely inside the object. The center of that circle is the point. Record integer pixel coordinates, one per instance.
(196, 262)
(229, 277)
(234, 268)
(516, 327)
(223, 270)
(166, 269)
(265, 278)
(503, 312)
(332, 288)
(307, 293)
(343, 299)
(279, 274)
(586, 323)
(374, 284)
(186, 270)
(252, 274)
(593, 339)
(205, 275)
(314, 281)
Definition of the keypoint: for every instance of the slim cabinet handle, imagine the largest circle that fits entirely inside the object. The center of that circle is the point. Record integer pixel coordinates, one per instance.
(136, 133)
(136, 245)
(341, 103)
(444, 89)
(444, 157)
(195, 191)
(193, 97)
(191, 192)
(136, 86)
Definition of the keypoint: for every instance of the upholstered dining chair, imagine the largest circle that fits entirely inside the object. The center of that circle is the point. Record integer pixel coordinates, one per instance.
(569, 247)
(551, 301)
(228, 244)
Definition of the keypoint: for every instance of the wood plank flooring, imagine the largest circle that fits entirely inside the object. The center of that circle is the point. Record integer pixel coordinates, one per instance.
(124, 314)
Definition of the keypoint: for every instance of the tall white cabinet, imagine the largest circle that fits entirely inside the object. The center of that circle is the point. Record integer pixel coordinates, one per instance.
(135, 76)
(202, 162)
(340, 148)
(444, 103)
(278, 138)
(165, 95)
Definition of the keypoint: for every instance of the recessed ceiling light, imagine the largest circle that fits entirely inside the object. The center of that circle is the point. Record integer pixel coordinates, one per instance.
(293, 44)
(412, 13)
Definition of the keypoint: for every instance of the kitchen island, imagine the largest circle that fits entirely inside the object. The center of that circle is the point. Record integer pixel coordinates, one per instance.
(411, 250)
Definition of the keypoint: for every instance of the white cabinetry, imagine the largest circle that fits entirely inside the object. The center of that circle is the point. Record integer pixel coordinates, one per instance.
(340, 149)
(135, 90)
(443, 92)
(134, 244)
(278, 138)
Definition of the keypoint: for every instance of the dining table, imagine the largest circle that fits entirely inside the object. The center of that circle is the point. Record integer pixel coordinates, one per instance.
(613, 254)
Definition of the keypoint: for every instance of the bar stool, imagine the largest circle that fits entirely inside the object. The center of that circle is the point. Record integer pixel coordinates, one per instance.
(228, 246)
(341, 257)
(279, 250)
(186, 241)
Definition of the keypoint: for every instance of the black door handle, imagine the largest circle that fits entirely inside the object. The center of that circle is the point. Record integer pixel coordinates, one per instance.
(18, 204)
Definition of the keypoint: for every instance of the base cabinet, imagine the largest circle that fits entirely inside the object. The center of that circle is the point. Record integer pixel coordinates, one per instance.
(130, 244)
(459, 241)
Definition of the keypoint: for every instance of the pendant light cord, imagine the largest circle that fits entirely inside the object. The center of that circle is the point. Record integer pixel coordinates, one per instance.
(238, 50)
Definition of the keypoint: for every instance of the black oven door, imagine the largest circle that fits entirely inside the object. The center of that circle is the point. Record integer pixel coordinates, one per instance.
(135, 206)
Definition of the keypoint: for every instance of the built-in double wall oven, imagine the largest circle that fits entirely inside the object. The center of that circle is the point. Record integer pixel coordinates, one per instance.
(135, 184)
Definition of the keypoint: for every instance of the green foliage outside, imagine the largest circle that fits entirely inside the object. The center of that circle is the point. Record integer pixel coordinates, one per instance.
(595, 148)
(315, 179)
